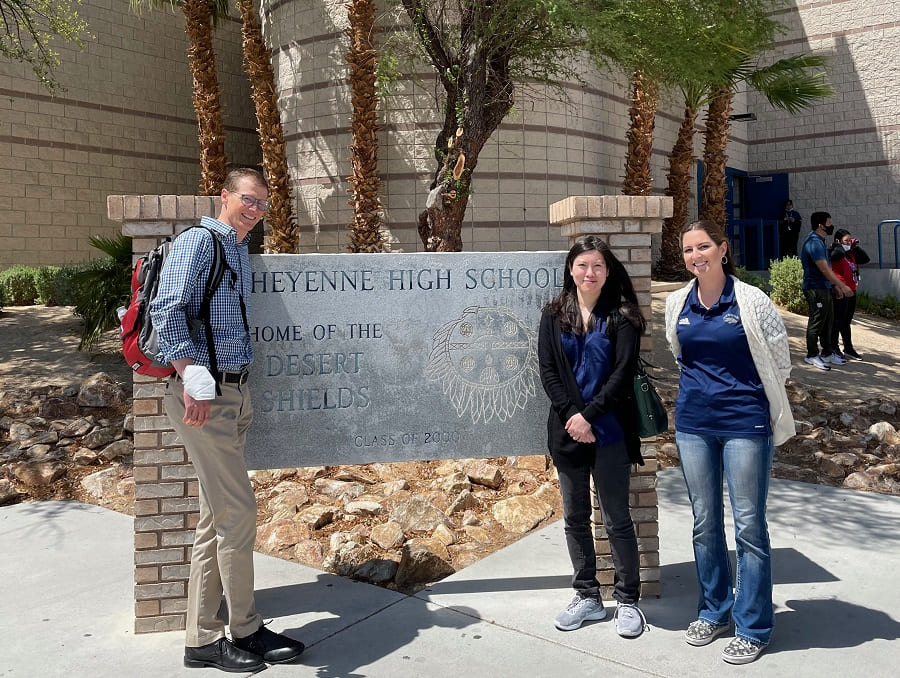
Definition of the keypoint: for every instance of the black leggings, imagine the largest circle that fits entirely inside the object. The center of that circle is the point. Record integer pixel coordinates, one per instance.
(843, 315)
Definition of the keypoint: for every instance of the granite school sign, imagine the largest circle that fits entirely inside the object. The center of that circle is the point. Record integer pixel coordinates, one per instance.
(364, 358)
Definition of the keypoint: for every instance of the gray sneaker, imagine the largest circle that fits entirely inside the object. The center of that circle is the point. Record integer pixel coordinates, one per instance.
(630, 621)
(579, 611)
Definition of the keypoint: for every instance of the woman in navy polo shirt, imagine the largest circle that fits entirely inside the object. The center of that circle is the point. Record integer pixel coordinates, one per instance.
(587, 348)
(732, 409)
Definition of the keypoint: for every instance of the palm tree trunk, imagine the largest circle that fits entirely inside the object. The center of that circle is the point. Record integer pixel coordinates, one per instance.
(642, 113)
(206, 95)
(715, 157)
(284, 235)
(366, 231)
(681, 161)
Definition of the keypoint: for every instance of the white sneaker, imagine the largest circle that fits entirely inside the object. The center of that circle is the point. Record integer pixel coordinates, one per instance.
(835, 359)
(816, 361)
(630, 621)
(578, 611)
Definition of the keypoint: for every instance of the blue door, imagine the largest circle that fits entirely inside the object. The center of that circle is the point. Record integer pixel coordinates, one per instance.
(735, 206)
(766, 194)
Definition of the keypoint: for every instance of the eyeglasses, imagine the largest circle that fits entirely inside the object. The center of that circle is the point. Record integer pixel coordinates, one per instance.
(250, 201)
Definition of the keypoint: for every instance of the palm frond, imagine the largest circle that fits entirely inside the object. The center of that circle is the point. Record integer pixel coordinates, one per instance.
(790, 84)
(218, 8)
(117, 247)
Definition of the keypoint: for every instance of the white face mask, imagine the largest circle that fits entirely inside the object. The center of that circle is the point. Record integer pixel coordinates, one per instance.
(846, 247)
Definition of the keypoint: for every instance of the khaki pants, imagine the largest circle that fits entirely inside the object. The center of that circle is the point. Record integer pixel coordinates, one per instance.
(222, 558)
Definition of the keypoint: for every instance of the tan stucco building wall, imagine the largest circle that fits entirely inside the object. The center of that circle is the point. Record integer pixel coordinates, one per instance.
(125, 124)
(843, 155)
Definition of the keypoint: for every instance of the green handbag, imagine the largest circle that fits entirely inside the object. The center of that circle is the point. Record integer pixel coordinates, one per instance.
(652, 416)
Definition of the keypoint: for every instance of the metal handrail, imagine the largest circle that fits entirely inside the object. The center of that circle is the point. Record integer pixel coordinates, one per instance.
(896, 223)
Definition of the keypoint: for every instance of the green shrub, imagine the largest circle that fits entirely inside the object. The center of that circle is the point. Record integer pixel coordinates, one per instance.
(752, 279)
(889, 307)
(45, 284)
(18, 284)
(2, 298)
(786, 279)
(101, 287)
(64, 285)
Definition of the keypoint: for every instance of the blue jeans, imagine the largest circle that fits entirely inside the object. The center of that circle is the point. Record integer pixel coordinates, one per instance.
(747, 464)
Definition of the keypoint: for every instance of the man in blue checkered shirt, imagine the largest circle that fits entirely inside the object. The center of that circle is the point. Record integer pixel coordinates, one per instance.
(214, 427)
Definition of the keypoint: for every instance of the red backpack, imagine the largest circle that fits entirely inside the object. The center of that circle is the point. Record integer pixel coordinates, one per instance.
(140, 344)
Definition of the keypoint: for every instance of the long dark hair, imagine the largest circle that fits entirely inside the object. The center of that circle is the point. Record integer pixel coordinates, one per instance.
(717, 235)
(617, 292)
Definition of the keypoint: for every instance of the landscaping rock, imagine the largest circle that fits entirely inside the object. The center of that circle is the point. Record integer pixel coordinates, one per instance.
(100, 390)
(521, 514)
(102, 483)
(418, 515)
(120, 448)
(421, 563)
(483, 473)
(387, 535)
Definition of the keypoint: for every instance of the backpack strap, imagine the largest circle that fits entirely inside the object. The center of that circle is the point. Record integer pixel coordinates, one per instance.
(217, 268)
(213, 280)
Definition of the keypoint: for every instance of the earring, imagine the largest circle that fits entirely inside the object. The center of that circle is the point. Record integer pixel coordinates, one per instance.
(724, 259)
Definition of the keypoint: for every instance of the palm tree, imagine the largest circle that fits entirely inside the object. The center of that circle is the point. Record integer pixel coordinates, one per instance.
(790, 84)
(284, 235)
(366, 231)
(681, 163)
(199, 16)
(642, 114)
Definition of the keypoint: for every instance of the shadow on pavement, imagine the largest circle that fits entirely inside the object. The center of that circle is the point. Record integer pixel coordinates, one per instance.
(830, 623)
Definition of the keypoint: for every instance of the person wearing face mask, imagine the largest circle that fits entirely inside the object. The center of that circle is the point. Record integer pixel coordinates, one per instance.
(818, 280)
(846, 258)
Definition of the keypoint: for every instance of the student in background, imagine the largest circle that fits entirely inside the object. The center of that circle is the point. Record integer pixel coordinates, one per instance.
(818, 280)
(846, 258)
(788, 230)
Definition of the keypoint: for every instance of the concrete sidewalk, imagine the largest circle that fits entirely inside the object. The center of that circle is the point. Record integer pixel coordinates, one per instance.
(67, 578)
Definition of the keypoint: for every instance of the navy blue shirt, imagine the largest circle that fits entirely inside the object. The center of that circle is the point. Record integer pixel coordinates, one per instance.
(812, 251)
(719, 391)
(591, 357)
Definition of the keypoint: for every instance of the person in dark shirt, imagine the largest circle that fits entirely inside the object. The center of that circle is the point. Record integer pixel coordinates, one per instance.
(732, 410)
(818, 280)
(788, 230)
(588, 349)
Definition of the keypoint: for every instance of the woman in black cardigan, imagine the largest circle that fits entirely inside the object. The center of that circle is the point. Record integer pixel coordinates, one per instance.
(588, 347)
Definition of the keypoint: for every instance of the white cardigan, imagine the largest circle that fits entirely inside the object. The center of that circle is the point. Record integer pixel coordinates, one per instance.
(768, 342)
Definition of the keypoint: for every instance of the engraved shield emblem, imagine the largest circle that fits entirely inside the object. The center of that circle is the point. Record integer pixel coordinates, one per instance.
(486, 361)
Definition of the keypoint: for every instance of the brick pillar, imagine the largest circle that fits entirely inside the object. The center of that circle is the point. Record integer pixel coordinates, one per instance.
(165, 485)
(626, 223)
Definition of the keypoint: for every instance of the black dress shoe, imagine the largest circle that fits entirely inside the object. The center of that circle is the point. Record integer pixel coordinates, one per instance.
(222, 654)
(273, 647)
